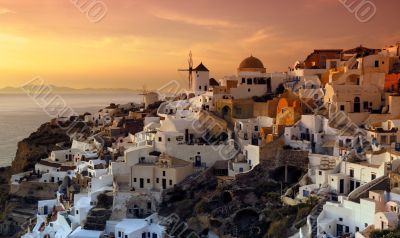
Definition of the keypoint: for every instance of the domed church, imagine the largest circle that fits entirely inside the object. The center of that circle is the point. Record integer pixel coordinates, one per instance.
(251, 80)
(252, 64)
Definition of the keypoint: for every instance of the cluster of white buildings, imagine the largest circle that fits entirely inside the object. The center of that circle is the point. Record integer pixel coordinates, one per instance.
(352, 139)
(340, 106)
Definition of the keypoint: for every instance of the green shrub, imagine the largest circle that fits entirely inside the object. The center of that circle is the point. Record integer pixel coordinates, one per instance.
(273, 196)
(277, 229)
(385, 234)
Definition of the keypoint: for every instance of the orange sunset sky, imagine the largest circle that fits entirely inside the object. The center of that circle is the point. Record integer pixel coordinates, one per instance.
(144, 42)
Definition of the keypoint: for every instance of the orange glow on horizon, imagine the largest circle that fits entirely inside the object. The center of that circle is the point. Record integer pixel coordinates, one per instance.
(145, 42)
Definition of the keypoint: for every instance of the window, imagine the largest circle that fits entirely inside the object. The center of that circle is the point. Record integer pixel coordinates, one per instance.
(341, 107)
(144, 235)
(256, 128)
(248, 90)
(148, 180)
(340, 219)
(159, 139)
(169, 139)
(243, 80)
(77, 212)
(158, 180)
(383, 139)
(126, 236)
(148, 234)
(347, 229)
(154, 235)
(319, 173)
(163, 173)
(170, 182)
(149, 205)
(119, 234)
(373, 176)
(134, 180)
(366, 107)
(351, 173)
(199, 87)
(357, 229)
(376, 64)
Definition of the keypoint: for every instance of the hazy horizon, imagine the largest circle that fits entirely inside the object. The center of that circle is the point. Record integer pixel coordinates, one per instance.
(24, 115)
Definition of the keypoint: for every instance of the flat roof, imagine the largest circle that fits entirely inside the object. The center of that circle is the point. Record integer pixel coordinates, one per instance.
(79, 232)
(131, 225)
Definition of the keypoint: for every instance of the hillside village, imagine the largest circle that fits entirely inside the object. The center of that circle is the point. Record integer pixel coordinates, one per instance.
(334, 116)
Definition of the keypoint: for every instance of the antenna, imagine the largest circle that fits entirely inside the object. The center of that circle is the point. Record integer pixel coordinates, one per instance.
(144, 92)
(189, 69)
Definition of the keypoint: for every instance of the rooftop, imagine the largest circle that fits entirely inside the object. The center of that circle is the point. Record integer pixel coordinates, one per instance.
(201, 67)
(79, 232)
(131, 225)
(251, 63)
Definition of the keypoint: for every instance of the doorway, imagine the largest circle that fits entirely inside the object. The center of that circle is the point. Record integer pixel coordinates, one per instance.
(357, 105)
(197, 161)
(141, 183)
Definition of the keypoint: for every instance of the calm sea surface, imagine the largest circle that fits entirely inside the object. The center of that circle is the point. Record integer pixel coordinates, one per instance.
(20, 115)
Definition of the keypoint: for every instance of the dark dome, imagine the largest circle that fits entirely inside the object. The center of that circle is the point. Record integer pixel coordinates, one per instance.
(251, 63)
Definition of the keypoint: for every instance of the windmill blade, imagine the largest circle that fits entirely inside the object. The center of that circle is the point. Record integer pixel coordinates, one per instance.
(189, 69)
(190, 60)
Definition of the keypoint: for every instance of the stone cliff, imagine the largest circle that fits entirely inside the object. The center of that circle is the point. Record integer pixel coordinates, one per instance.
(38, 145)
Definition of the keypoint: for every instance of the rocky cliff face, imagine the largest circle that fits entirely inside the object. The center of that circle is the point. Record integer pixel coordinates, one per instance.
(248, 206)
(37, 146)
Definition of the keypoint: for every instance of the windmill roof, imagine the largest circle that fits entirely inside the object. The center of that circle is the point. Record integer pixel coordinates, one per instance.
(201, 67)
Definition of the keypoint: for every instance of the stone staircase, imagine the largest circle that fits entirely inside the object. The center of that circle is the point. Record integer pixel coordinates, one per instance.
(97, 219)
(314, 216)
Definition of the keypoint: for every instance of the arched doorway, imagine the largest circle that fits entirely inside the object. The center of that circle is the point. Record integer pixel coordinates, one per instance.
(357, 104)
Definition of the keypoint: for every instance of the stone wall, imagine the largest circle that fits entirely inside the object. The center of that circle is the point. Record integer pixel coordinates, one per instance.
(34, 190)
